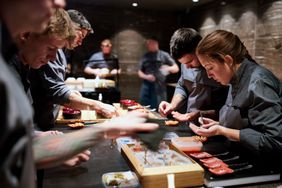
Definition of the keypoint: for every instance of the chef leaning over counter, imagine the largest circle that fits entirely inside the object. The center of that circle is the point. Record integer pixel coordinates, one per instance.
(19, 151)
(252, 114)
(48, 88)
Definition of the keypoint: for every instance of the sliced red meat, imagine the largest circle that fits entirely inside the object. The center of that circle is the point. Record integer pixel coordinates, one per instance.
(216, 164)
(221, 171)
(200, 155)
(210, 160)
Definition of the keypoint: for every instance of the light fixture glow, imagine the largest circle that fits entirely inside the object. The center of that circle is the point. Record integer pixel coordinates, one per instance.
(223, 3)
(195, 1)
(134, 4)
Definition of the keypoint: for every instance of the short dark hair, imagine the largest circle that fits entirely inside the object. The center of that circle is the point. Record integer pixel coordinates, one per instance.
(184, 41)
(154, 38)
(78, 18)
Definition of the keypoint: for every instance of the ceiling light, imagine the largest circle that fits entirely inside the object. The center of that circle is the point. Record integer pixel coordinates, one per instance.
(134, 4)
(223, 3)
(195, 1)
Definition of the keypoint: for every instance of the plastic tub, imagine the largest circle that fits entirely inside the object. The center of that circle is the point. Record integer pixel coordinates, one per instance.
(187, 144)
(126, 179)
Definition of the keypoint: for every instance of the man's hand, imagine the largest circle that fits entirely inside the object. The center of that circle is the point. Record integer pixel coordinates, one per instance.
(47, 133)
(127, 125)
(106, 110)
(165, 108)
(185, 117)
(78, 159)
(165, 70)
(150, 78)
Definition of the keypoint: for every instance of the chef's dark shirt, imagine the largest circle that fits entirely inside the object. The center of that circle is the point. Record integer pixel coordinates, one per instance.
(48, 89)
(201, 92)
(99, 60)
(16, 159)
(254, 106)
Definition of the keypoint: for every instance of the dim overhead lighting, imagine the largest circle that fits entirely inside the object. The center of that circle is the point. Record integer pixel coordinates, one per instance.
(223, 3)
(134, 4)
(195, 1)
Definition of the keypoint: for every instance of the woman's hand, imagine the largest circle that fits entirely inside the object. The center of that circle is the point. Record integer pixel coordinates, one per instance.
(207, 131)
(207, 122)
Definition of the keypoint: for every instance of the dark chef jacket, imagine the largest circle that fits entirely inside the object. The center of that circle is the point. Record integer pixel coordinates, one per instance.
(254, 105)
(201, 92)
(16, 159)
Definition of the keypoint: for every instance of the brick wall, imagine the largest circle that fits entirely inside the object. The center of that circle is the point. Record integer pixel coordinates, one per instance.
(128, 30)
(257, 22)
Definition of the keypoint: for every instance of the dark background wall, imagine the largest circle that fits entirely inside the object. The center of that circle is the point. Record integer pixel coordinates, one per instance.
(257, 22)
(128, 30)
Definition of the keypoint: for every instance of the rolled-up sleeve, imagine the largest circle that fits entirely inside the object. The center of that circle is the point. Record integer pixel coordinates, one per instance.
(53, 82)
(264, 135)
(180, 88)
(168, 59)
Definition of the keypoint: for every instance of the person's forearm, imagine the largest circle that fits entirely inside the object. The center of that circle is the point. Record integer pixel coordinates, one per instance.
(174, 68)
(142, 75)
(232, 134)
(82, 103)
(50, 151)
(176, 101)
(89, 71)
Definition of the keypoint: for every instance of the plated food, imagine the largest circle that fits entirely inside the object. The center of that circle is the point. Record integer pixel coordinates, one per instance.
(163, 157)
(120, 179)
(221, 170)
(210, 160)
(200, 138)
(171, 122)
(187, 144)
(200, 155)
(76, 125)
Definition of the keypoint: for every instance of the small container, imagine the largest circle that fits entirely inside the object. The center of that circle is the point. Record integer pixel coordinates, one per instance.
(69, 113)
(127, 179)
(187, 144)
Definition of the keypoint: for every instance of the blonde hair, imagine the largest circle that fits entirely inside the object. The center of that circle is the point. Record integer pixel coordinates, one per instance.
(60, 25)
(220, 43)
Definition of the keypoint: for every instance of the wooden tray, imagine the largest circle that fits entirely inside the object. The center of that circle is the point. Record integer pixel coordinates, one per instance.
(152, 177)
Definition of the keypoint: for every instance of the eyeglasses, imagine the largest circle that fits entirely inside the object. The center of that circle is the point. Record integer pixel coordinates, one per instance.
(106, 45)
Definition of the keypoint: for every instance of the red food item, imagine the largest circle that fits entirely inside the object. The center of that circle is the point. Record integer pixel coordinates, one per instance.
(216, 164)
(210, 160)
(137, 147)
(69, 113)
(128, 102)
(221, 171)
(200, 155)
